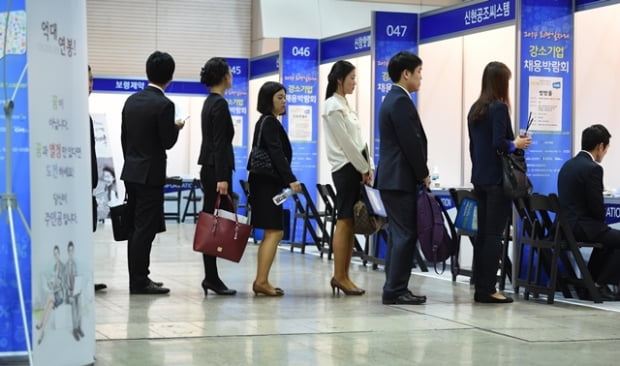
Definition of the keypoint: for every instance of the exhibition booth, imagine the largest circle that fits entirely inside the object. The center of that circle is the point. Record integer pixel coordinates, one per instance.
(564, 73)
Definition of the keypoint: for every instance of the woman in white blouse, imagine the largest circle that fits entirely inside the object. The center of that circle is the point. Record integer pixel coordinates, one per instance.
(350, 165)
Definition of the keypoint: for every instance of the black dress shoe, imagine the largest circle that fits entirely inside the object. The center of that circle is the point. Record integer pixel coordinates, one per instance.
(488, 299)
(607, 294)
(158, 284)
(421, 297)
(219, 289)
(100, 286)
(404, 299)
(76, 335)
(150, 289)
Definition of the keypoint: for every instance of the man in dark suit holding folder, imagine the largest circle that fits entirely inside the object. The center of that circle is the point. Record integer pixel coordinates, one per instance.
(402, 168)
(148, 129)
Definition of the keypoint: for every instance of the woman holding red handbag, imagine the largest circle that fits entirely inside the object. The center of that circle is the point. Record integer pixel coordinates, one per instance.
(216, 156)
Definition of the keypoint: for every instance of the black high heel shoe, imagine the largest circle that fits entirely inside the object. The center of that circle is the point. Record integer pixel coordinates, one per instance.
(219, 289)
(351, 292)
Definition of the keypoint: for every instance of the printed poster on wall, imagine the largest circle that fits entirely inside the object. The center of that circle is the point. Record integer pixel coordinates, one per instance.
(63, 315)
(17, 175)
(107, 190)
(391, 33)
(299, 74)
(546, 74)
(237, 98)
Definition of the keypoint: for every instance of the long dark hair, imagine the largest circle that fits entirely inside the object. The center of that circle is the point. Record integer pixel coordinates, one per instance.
(339, 71)
(494, 88)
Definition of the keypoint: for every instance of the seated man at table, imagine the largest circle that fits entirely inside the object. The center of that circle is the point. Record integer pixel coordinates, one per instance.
(580, 190)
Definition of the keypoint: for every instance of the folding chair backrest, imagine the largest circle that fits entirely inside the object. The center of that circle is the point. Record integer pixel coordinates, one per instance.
(546, 214)
(330, 206)
(458, 195)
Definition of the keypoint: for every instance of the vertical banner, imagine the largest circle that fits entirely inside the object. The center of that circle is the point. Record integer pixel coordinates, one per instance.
(299, 73)
(14, 88)
(391, 33)
(63, 331)
(546, 87)
(237, 98)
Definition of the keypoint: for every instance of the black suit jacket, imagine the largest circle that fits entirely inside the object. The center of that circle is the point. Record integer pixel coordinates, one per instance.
(147, 131)
(491, 133)
(403, 147)
(94, 173)
(216, 150)
(580, 190)
(275, 140)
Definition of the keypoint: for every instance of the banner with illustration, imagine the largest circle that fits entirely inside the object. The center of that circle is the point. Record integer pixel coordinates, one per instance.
(546, 87)
(63, 306)
(14, 176)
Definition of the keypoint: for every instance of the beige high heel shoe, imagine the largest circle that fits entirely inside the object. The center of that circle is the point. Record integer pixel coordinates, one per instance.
(259, 290)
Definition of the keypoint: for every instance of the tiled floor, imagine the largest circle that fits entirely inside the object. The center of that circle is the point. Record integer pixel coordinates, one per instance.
(309, 326)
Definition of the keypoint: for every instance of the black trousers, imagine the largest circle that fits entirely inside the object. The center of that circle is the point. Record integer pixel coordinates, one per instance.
(604, 264)
(146, 206)
(493, 215)
(402, 230)
(209, 185)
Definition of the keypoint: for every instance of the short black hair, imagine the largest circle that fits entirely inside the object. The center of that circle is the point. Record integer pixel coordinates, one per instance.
(594, 135)
(265, 96)
(70, 245)
(214, 70)
(159, 67)
(404, 60)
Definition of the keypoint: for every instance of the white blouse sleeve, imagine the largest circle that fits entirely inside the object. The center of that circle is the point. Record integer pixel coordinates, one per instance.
(335, 123)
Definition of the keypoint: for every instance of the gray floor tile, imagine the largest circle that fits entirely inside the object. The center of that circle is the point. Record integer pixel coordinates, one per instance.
(309, 326)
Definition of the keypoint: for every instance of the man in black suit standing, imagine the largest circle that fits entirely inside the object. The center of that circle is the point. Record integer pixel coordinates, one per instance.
(402, 169)
(580, 191)
(148, 129)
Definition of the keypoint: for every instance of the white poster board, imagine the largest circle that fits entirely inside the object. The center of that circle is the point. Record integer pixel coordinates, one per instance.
(63, 324)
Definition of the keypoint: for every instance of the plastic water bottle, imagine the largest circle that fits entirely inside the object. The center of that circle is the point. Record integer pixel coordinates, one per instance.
(281, 197)
(435, 178)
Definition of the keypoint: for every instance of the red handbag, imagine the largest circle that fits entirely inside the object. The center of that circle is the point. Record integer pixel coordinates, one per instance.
(219, 236)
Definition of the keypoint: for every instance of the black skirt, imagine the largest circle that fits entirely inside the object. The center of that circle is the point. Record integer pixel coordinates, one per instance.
(347, 181)
(265, 214)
